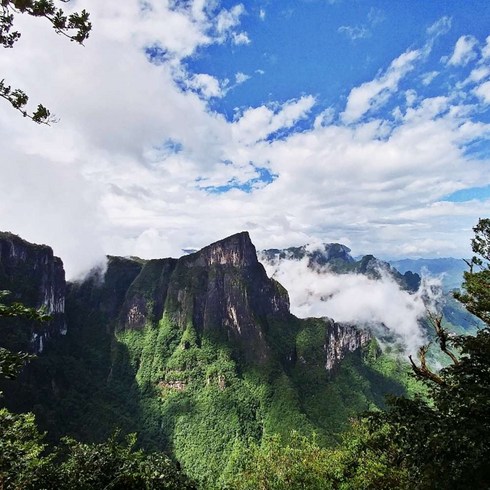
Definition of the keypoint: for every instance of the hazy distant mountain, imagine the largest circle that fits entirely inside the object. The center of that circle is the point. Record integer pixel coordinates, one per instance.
(450, 268)
(336, 258)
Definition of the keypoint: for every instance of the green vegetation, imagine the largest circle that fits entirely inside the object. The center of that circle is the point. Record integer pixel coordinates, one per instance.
(278, 421)
(27, 463)
(435, 440)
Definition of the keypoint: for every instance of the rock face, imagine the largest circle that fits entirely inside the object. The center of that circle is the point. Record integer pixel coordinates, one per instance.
(340, 340)
(35, 277)
(221, 291)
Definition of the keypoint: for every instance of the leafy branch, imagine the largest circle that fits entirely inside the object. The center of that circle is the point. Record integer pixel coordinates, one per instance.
(75, 27)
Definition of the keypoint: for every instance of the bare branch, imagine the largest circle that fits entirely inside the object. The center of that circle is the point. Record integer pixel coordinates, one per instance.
(443, 336)
(423, 371)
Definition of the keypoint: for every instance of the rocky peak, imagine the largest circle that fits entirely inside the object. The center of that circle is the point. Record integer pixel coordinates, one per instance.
(236, 250)
(325, 254)
(221, 291)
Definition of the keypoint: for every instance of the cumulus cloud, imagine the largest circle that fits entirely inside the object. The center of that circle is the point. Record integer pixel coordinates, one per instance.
(483, 91)
(368, 95)
(464, 51)
(379, 305)
(241, 77)
(129, 167)
(240, 38)
(255, 124)
(207, 85)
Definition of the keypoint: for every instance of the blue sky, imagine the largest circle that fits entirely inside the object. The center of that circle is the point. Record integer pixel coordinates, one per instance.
(181, 122)
(321, 48)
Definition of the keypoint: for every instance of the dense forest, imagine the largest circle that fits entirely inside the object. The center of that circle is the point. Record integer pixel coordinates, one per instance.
(228, 421)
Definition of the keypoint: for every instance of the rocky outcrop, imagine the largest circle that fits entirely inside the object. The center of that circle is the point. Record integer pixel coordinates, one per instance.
(35, 277)
(341, 339)
(221, 291)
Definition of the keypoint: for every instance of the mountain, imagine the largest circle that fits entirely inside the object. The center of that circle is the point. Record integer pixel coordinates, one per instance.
(451, 273)
(336, 258)
(199, 355)
(36, 277)
(451, 270)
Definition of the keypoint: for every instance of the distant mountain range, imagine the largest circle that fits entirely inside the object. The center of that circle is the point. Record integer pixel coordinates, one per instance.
(337, 259)
(450, 269)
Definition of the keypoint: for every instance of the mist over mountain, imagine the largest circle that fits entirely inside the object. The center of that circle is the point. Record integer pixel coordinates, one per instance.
(325, 280)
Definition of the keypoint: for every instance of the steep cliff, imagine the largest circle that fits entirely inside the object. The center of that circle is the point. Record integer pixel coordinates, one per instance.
(221, 292)
(35, 277)
(341, 339)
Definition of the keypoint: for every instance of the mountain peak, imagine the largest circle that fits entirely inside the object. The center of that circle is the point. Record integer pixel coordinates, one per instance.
(235, 250)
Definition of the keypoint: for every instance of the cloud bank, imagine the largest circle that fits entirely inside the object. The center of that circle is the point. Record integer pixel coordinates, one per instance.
(141, 164)
(380, 305)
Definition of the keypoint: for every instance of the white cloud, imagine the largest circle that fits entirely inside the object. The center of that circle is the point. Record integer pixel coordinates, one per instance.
(368, 95)
(464, 51)
(228, 19)
(483, 91)
(439, 28)
(240, 38)
(262, 14)
(353, 298)
(354, 32)
(362, 31)
(119, 173)
(479, 73)
(427, 78)
(486, 49)
(207, 85)
(241, 77)
(255, 124)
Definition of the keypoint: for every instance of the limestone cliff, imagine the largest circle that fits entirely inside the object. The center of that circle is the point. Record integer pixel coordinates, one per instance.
(35, 277)
(341, 339)
(222, 291)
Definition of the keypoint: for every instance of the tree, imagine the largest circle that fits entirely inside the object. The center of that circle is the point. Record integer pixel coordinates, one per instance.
(476, 296)
(75, 27)
(444, 441)
(116, 465)
(23, 463)
(27, 463)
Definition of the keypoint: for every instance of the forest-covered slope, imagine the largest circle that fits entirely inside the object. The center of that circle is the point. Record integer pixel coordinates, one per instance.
(201, 357)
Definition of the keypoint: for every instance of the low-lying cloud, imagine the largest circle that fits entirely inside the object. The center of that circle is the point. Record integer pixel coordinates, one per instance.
(380, 305)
